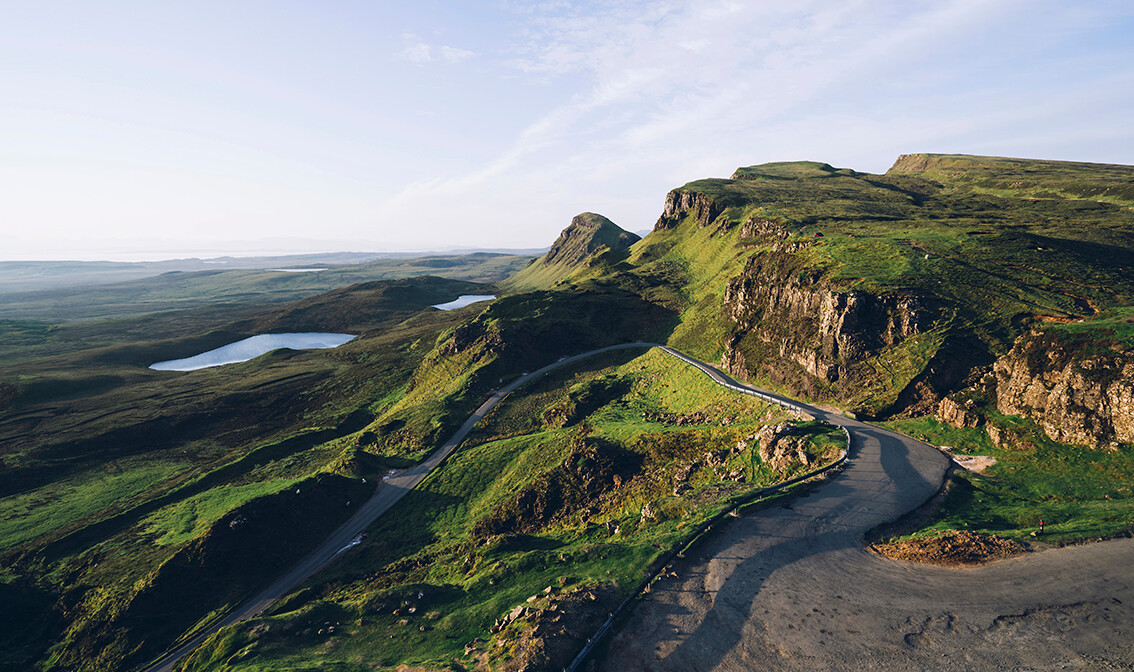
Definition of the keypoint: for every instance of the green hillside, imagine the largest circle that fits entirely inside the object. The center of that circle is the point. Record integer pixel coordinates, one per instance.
(137, 506)
(590, 241)
(980, 265)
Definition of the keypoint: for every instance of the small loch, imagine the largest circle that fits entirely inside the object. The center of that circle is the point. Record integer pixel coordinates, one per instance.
(249, 348)
(464, 300)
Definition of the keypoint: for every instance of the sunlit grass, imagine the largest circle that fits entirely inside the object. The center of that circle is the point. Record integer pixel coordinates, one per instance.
(1078, 492)
(191, 517)
(31, 514)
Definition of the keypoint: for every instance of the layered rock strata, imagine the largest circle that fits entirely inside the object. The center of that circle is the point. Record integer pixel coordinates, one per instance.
(1077, 394)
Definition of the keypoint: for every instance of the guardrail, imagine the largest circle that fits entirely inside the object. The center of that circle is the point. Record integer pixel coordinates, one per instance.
(706, 526)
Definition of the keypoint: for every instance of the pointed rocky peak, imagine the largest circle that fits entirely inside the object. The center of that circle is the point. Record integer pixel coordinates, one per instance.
(587, 234)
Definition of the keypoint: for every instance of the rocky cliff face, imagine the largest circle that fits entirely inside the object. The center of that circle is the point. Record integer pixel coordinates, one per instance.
(679, 203)
(1077, 392)
(788, 322)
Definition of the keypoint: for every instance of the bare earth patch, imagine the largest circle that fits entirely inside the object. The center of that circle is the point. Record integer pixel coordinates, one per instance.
(974, 463)
(952, 549)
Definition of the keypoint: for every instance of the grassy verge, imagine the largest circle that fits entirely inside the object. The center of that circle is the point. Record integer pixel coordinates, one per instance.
(1079, 493)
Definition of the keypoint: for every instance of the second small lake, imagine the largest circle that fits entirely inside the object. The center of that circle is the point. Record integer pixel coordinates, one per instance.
(249, 348)
(464, 300)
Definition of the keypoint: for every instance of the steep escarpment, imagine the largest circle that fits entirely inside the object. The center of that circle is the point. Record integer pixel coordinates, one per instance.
(886, 293)
(1078, 390)
(680, 203)
(795, 328)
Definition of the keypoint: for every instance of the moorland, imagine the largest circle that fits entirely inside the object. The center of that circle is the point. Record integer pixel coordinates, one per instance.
(979, 303)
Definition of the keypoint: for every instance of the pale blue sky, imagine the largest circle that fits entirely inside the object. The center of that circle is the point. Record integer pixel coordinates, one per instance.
(156, 129)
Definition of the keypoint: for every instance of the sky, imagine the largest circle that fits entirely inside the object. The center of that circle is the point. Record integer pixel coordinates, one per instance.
(155, 129)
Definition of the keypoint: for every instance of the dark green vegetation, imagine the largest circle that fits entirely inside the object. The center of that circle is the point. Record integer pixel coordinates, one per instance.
(142, 505)
(116, 478)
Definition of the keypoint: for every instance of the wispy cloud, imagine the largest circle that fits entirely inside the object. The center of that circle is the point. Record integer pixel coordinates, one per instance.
(669, 91)
(418, 51)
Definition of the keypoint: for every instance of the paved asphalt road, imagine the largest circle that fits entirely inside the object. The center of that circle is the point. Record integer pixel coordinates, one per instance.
(791, 588)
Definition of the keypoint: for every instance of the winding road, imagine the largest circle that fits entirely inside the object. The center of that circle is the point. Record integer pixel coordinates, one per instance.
(791, 588)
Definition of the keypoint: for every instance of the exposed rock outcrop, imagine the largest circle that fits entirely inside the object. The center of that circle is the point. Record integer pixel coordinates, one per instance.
(784, 313)
(1075, 392)
(959, 414)
(679, 203)
(765, 229)
(590, 240)
(547, 631)
(778, 446)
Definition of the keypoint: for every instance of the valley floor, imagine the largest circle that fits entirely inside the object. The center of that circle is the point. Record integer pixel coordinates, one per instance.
(792, 588)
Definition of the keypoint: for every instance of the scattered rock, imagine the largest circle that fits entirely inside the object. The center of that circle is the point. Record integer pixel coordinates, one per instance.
(715, 458)
(550, 638)
(959, 414)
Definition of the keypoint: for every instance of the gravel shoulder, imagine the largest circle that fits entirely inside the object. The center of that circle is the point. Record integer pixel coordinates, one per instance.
(792, 588)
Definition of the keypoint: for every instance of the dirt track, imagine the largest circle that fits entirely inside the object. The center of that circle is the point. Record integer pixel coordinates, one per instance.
(793, 589)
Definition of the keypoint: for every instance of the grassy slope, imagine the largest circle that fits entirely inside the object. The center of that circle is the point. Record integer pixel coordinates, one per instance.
(1023, 253)
(110, 470)
(1001, 245)
(389, 397)
(431, 543)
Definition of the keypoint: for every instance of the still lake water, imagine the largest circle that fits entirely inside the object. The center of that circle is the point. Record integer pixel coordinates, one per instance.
(242, 351)
(464, 300)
